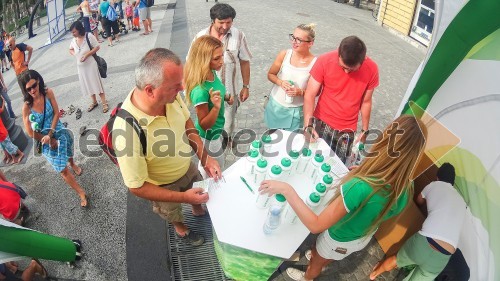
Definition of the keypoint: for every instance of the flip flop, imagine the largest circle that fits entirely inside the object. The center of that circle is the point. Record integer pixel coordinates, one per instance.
(78, 114)
(83, 130)
(62, 113)
(71, 109)
(44, 274)
(92, 106)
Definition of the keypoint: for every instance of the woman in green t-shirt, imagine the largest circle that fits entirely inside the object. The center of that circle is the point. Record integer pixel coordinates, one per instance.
(369, 194)
(206, 93)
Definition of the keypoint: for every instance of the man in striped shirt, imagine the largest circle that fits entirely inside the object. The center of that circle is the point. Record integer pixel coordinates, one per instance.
(236, 53)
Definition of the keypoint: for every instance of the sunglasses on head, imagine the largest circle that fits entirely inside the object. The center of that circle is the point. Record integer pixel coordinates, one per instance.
(34, 86)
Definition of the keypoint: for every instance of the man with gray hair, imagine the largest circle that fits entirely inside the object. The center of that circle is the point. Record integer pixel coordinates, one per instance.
(165, 174)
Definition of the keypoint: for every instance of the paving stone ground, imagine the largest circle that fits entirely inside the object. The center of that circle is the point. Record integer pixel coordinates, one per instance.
(266, 24)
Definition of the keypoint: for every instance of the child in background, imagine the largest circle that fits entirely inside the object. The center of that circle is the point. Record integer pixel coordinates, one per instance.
(12, 154)
(136, 26)
(129, 13)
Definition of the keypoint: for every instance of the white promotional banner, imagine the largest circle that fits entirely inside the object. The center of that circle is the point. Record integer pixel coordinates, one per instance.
(459, 85)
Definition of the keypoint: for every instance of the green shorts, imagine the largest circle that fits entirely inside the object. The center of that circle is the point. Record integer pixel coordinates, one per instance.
(417, 251)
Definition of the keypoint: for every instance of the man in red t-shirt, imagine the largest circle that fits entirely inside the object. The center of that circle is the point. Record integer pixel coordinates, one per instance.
(345, 79)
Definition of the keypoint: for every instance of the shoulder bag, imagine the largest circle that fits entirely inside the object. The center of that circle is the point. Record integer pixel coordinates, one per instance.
(101, 63)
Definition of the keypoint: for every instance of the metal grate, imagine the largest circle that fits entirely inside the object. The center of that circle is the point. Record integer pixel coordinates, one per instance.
(188, 263)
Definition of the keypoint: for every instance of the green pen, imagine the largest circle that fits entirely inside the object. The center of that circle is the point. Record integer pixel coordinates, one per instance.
(245, 182)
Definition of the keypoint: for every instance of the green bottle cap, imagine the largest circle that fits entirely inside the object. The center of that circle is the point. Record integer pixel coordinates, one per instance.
(276, 170)
(314, 197)
(321, 188)
(361, 146)
(326, 167)
(253, 154)
(256, 144)
(327, 179)
(280, 198)
(266, 139)
(293, 154)
(262, 163)
(319, 158)
(286, 162)
(306, 151)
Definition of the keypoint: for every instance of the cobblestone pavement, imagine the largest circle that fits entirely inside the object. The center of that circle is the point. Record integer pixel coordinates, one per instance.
(267, 24)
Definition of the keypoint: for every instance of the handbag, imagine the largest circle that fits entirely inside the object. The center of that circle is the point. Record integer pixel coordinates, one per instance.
(38, 144)
(17, 189)
(101, 63)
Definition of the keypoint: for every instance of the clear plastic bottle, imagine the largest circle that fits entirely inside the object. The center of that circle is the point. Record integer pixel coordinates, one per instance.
(289, 99)
(275, 173)
(286, 166)
(327, 181)
(252, 157)
(320, 189)
(263, 200)
(35, 126)
(32, 117)
(313, 200)
(356, 155)
(304, 159)
(294, 157)
(315, 166)
(260, 171)
(323, 171)
(274, 214)
(267, 143)
(256, 145)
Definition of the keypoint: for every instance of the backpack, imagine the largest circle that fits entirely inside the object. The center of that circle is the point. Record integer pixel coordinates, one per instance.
(105, 135)
(111, 14)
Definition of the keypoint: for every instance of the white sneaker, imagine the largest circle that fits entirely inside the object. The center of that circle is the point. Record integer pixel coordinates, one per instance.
(308, 255)
(295, 274)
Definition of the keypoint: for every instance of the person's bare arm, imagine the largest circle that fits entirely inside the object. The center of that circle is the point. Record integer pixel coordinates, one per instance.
(366, 110)
(272, 74)
(209, 164)
(245, 76)
(315, 223)
(312, 91)
(30, 52)
(153, 192)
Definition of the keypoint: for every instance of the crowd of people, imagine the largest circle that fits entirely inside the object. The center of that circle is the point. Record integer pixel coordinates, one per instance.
(320, 96)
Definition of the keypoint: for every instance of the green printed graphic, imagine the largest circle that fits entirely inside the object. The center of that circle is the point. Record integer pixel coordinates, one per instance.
(241, 264)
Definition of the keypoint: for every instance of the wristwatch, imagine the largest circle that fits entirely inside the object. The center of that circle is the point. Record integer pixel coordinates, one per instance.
(365, 132)
(246, 86)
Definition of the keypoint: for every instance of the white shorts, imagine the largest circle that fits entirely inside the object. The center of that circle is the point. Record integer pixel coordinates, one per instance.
(334, 250)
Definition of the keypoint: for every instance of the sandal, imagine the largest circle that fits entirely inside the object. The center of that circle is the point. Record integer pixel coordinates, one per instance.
(62, 113)
(78, 114)
(44, 273)
(105, 107)
(71, 109)
(91, 107)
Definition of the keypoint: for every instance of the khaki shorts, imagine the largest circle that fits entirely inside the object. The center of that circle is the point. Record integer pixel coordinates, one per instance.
(172, 211)
(334, 250)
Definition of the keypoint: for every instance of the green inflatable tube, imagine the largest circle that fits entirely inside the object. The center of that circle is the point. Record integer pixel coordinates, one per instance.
(30, 243)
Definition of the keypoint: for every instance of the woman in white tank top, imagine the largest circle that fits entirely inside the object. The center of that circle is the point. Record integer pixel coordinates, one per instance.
(289, 74)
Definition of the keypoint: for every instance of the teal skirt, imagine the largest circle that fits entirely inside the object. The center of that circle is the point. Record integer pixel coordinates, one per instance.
(277, 116)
